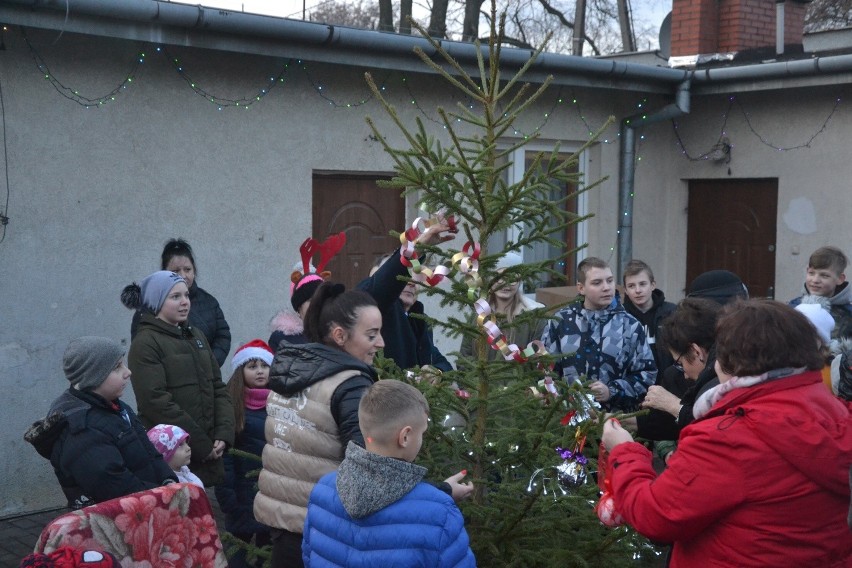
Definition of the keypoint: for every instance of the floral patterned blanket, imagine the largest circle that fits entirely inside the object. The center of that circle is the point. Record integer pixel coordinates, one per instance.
(167, 527)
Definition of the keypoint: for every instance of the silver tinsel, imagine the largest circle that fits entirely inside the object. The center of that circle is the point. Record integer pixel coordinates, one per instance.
(571, 474)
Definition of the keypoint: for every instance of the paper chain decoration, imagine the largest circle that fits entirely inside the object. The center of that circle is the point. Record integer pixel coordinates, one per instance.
(467, 262)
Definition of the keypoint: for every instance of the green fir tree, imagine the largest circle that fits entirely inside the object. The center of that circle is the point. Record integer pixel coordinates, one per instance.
(525, 510)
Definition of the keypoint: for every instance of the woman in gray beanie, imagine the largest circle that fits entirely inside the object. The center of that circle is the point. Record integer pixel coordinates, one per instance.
(176, 377)
(97, 446)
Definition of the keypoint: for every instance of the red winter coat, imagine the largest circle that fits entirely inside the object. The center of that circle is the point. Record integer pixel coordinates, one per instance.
(762, 480)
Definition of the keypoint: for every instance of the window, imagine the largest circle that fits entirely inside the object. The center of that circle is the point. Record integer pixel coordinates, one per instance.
(522, 159)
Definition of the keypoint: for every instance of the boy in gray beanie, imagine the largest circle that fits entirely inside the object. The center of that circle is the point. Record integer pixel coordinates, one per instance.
(83, 426)
(89, 360)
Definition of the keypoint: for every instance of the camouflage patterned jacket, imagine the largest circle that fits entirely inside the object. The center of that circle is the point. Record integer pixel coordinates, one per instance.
(608, 345)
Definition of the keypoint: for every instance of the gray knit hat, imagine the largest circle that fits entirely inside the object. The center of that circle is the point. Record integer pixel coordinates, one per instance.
(89, 360)
(151, 292)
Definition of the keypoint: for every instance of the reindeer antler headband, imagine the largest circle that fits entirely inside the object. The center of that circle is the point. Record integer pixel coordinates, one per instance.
(327, 250)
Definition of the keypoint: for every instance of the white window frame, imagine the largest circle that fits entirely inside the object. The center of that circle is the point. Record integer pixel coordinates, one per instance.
(516, 174)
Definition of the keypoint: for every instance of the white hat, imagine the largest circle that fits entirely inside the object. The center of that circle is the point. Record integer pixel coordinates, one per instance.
(820, 319)
(508, 260)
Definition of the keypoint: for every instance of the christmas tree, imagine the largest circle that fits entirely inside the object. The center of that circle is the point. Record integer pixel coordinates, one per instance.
(526, 439)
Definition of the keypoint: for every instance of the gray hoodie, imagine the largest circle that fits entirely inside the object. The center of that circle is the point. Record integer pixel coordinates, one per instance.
(368, 482)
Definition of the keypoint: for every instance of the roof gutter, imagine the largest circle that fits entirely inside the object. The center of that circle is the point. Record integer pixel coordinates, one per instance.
(815, 66)
(169, 23)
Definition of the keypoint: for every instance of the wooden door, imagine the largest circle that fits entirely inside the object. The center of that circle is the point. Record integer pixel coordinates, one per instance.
(732, 227)
(355, 205)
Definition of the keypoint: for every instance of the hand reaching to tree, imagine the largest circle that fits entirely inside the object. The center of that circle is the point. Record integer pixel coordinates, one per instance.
(461, 491)
(661, 399)
(600, 390)
(436, 234)
(614, 434)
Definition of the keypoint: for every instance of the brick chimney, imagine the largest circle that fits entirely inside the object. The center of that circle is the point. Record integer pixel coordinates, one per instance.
(703, 28)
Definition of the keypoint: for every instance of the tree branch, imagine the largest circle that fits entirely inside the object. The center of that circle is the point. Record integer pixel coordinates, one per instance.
(567, 23)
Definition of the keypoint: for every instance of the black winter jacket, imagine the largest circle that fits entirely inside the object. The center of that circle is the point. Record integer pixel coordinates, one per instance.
(98, 451)
(660, 425)
(651, 320)
(408, 340)
(296, 367)
(236, 494)
(206, 316)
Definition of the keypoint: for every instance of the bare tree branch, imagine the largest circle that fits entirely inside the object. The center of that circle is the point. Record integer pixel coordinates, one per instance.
(565, 22)
(828, 14)
(513, 42)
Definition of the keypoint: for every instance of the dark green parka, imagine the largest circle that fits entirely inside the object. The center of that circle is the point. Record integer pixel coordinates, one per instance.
(177, 381)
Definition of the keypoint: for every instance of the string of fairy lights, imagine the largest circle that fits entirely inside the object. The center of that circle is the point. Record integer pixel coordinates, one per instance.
(318, 87)
(73, 94)
(747, 119)
(223, 102)
(281, 73)
(279, 76)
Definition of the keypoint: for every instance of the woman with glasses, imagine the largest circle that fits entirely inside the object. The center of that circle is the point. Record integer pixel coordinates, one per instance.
(689, 336)
(670, 400)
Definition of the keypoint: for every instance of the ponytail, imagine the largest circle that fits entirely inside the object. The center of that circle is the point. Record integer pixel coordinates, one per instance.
(333, 304)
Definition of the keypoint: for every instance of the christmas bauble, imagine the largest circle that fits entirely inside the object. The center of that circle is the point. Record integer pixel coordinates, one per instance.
(607, 513)
(571, 474)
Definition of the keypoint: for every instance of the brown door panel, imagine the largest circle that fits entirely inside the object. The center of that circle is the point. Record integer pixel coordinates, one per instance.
(732, 226)
(355, 205)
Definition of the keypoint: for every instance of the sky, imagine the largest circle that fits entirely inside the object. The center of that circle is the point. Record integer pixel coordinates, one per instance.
(651, 11)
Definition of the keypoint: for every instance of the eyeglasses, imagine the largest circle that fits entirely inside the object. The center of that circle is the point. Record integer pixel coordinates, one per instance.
(677, 364)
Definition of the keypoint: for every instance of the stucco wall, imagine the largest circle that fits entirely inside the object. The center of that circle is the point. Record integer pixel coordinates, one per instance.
(95, 192)
(814, 197)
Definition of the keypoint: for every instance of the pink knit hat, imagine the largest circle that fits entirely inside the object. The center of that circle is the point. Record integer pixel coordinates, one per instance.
(167, 438)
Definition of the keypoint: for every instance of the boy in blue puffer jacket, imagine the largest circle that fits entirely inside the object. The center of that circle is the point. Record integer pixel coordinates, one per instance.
(356, 515)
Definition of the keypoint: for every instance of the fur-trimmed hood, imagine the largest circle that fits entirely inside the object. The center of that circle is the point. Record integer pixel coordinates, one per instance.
(286, 321)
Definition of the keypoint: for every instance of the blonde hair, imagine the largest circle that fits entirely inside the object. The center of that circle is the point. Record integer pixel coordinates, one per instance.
(516, 304)
(387, 407)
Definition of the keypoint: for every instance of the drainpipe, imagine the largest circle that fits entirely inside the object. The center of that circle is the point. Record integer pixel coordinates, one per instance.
(779, 27)
(627, 167)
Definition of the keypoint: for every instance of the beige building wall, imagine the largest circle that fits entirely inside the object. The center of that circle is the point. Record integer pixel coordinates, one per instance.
(814, 196)
(94, 194)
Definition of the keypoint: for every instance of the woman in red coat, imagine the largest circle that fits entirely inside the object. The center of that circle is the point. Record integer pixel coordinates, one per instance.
(760, 478)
